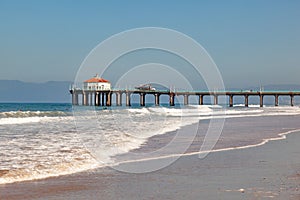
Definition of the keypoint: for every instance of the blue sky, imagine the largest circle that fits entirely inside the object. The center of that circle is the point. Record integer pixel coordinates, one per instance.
(252, 42)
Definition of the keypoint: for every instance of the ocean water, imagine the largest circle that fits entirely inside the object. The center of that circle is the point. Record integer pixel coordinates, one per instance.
(46, 140)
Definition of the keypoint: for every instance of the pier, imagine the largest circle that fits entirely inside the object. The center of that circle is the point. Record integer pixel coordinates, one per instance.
(104, 97)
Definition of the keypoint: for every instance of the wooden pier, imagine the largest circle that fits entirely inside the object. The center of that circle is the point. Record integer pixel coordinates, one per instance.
(104, 98)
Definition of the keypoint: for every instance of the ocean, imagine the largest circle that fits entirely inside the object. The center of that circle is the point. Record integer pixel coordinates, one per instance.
(41, 140)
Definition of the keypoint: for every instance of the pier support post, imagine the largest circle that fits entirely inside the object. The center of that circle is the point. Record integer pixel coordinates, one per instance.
(172, 102)
(97, 99)
(201, 99)
(186, 99)
(128, 103)
(216, 99)
(261, 101)
(142, 99)
(230, 100)
(87, 102)
(292, 100)
(119, 98)
(84, 98)
(102, 99)
(108, 98)
(91, 98)
(87, 94)
(276, 100)
(156, 99)
(246, 100)
(74, 97)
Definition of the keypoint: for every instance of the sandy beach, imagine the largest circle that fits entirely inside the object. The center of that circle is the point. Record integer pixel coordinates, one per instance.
(269, 171)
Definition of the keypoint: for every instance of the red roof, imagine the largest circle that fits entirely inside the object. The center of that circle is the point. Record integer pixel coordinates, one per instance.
(96, 80)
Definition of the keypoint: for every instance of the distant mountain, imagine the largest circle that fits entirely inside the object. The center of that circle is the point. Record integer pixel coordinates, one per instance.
(282, 87)
(18, 91)
(58, 91)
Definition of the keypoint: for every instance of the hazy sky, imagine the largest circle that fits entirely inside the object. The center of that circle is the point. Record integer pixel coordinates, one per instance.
(252, 42)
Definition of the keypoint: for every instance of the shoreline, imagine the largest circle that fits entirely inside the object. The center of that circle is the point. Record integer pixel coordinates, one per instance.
(282, 136)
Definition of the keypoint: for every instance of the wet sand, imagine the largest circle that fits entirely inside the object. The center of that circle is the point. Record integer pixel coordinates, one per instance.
(270, 171)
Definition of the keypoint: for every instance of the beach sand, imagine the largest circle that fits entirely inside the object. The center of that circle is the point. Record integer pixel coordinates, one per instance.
(270, 171)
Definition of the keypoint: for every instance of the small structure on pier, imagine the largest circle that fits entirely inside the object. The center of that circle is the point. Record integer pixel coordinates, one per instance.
(145, 87)
(97, 83)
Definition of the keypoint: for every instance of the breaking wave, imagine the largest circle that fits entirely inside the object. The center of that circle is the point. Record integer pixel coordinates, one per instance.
(22, 114)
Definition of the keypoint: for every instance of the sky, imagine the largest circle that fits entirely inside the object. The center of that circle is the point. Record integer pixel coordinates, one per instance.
(252, 42)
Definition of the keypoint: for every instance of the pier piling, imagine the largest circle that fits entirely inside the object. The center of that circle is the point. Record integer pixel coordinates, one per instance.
(142, 99)
(74, 98)
(261, 100)
(128, 103)
(246, 100)
(90, 98)
(216, 99)
(230, 100)
(292, 100)
(186, 99)
(84, 99)
(201, 99)
(172, 100)
(156, 99)
(97, 99)
(276, 100)
(108, 98)
(101, 99)
(119, 99)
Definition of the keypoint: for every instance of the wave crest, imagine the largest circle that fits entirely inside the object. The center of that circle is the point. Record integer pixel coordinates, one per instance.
(23, 114)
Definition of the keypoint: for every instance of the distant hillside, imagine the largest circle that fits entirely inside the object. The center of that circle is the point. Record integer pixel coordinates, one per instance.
(18, 91)
(58, 91)
(282, 87)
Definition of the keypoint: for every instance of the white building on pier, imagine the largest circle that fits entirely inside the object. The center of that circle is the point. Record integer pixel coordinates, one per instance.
(97, 83)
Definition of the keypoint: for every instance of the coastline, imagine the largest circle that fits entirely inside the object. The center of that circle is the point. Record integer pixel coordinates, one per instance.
(266, 171)
(231, 138)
